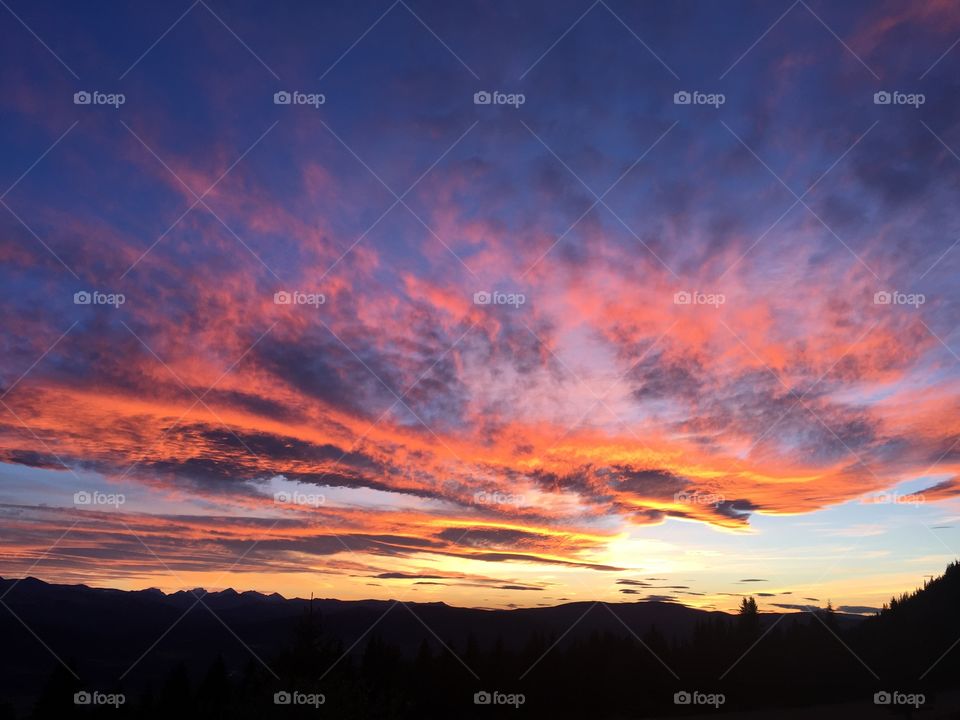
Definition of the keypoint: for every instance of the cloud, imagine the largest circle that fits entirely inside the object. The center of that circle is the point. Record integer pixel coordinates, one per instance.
(858, 609)
(942, 490)
(598, 407)
(406, 576)
(788, 606)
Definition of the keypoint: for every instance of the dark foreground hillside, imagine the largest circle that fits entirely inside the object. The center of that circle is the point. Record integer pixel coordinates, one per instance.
(82, 652)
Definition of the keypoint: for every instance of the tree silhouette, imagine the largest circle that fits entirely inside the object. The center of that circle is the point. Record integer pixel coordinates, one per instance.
(749, 617)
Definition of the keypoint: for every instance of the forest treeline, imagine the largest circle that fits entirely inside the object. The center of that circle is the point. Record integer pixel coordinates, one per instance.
(750, 660)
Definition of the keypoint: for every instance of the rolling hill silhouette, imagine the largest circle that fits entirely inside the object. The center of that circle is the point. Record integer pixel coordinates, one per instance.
(229, 653)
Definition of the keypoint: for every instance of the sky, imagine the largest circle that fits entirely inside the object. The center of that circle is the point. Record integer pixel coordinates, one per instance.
(490, 303)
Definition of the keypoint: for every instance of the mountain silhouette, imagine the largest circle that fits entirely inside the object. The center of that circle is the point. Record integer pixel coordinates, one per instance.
(235, 654)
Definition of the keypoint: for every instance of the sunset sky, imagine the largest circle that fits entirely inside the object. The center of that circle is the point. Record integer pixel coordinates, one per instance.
(791, 432)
